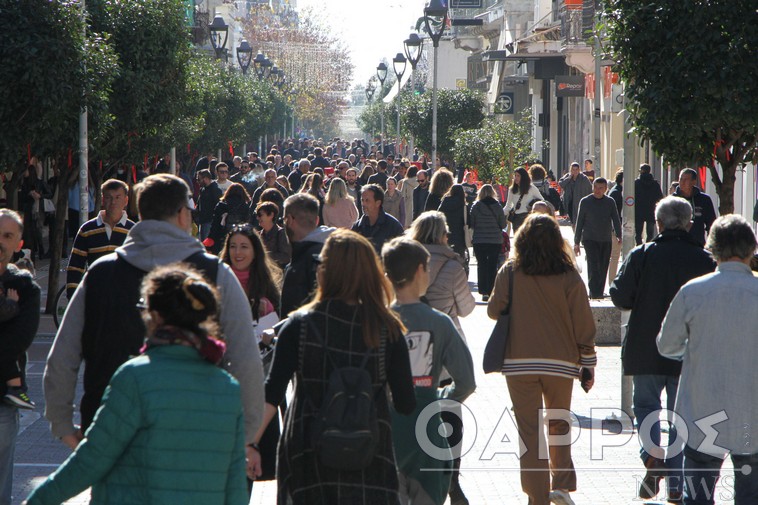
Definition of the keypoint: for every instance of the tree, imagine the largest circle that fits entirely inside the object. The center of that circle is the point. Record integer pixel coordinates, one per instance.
(456, 110)
(690, 69)
(152, 43)
(370, 121)
(313, 59)
(496, 148)
(52, 71)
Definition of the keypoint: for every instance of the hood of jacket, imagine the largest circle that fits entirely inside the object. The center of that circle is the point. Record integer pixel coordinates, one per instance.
(441, 254)
(318, 235)
(151, 243)
(411, 182)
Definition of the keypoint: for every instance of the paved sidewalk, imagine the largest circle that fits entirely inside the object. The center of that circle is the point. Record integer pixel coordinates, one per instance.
(490, 474)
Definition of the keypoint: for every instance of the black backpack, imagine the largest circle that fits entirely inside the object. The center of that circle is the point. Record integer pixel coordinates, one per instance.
(345, 431)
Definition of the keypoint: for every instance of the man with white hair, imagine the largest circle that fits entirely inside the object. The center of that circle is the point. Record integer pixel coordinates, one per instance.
(650, 277)
(711, 327)
(297, 176)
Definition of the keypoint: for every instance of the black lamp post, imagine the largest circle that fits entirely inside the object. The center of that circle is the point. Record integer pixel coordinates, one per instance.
(435, 19)
(244, 56)
(381, 74)
(258, 62)
(370, 88)
(267, 66)
(412, 46)
(219, 28)
(399, 64)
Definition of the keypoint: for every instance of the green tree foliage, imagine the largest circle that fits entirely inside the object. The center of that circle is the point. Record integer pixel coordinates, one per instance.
(456, 110)
(50, 70)
(370, 121)
(496, 148)
(690, 69)
(152, 43)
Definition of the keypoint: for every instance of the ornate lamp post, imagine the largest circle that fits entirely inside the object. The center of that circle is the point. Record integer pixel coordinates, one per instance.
(370, 89)
(435, 19)
(258, 61)
(244, 56)
(219, 29)
(399, 63)
(381, 74)
(412, 46)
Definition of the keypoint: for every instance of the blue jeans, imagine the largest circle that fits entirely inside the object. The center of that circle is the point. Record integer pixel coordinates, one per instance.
(8, 434)
(647, 399)
(701, 472)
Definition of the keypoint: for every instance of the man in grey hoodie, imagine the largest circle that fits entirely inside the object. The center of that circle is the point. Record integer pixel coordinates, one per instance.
(103, 326)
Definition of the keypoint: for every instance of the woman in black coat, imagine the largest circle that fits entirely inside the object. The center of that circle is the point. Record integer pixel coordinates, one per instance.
(233, 208)
(454, 207)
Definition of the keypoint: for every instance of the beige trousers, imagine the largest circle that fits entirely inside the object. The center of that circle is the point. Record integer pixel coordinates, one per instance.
(527, 394)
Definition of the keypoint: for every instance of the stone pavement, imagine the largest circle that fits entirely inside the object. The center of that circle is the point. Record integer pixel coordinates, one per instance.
(490, 475)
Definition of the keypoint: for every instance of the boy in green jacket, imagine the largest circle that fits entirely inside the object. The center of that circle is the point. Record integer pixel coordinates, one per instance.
(433, 344)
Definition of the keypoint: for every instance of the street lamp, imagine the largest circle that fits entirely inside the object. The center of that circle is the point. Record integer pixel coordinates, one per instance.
(435, 19)
(397, 61)
(370, 88)
(267, 66)
(217, 28)
(381, 74)
(412, 46)
(258, 62)
(244, 56)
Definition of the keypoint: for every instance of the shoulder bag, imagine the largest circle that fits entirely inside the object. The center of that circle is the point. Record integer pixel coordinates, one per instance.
(494, 352)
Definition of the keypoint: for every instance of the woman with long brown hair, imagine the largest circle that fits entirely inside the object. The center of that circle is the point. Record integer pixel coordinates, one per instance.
(520, 198)
(442, 181)
(348, 324)
(551, 339)
(232, 209)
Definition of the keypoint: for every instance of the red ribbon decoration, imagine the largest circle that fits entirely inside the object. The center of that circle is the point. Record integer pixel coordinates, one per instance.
(231, 149)
(188, 148)
(70, 159)
(134, 174)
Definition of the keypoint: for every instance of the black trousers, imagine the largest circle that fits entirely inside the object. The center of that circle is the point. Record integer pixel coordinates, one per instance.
(598, 259)
(649, 234)
(486, 266)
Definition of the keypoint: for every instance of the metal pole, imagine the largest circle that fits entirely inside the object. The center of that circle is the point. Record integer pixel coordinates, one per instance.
(413, 91)
(260, 146)
(434, 112)
(381, 146)
(83, 149)
(265, 146)
(397, 131)
(173, 160)
(630, 169)
(596, 118)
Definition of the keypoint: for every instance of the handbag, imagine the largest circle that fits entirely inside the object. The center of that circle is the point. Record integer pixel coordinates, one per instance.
(468, 232)
(512, 212)
(494, 352)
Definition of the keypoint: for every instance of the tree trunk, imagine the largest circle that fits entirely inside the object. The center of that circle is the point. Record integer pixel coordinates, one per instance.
(725, 190)
(65, 182)
(11, 188)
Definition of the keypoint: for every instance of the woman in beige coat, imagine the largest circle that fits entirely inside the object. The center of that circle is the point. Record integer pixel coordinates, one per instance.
(551, 338)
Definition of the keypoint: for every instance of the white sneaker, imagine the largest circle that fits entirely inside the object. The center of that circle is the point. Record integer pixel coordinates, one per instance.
(560, 498)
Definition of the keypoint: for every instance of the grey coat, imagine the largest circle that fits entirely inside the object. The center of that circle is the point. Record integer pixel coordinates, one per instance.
(488, 221)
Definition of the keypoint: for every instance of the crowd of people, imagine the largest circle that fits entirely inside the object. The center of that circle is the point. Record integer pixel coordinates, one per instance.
(343, 273)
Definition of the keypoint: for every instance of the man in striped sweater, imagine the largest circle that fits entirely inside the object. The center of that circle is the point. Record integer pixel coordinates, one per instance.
(100, 236)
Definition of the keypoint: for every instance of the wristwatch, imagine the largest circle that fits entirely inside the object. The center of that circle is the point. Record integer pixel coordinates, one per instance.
(255, 446)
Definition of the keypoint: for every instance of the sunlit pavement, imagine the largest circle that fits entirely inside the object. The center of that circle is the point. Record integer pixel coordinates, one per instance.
(607, 464)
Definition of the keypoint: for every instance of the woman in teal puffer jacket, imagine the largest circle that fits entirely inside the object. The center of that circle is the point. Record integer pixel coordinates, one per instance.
(170, 427)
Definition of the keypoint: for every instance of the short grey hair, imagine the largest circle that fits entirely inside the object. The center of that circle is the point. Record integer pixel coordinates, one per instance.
(429, 228)
(731, 236)
(15, 217)
(673, 213)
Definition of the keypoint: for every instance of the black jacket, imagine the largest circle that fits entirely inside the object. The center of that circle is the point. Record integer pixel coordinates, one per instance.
(299, 276)
(225, 215)
(647, 192)
(419, 200)
(454, 209)
(649, 278)
(617, 193)
(206, 202)
(385, 228)
(703, 214)
(18, 332)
